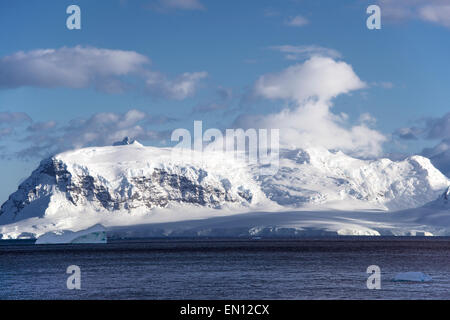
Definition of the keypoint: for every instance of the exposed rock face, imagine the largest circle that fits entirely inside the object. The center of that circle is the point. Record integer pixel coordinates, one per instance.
(137, 184)
(446, 195)
(157, 189)
(40, 184)
(124, 142)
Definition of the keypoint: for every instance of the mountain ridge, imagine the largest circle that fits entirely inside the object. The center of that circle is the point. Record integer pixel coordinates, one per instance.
(133, 178)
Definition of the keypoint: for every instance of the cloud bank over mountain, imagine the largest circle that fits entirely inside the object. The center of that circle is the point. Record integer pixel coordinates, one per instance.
(101, 129)
(309, 88)
(433, 129)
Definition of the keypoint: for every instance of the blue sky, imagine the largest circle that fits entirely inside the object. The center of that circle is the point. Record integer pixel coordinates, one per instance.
(214, 52)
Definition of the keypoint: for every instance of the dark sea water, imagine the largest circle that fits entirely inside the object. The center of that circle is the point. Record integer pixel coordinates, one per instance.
(226, 269)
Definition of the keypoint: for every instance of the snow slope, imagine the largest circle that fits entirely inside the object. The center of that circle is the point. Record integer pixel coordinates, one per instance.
(222, 223)
(318, 176)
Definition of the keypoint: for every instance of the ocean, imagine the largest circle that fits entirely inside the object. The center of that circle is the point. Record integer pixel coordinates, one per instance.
(322, 268)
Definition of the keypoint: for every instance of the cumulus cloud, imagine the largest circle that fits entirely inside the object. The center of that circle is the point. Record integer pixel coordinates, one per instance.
(305, 51)
(67, 67)
(434, 11)
(82, 67)
(310, 87)
(297, 21)
(319, 77)
(100, 129)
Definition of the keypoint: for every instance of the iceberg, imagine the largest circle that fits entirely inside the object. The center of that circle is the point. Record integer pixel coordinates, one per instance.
(412, 276)
(94, 234)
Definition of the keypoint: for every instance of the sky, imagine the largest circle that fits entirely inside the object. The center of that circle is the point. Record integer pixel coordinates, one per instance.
(142, 68)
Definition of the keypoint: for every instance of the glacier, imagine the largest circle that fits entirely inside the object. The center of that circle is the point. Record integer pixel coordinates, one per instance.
(94, 234)
(133, 189)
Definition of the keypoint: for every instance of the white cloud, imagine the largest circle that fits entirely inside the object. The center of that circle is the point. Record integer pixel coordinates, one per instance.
(271, 12)
(434, 11)
(408, 133)
(439, 14)
(100, 129)
(9, 118)
(10, 121)
(367, 118)
(386, 84)
(181, 87)
(318, 77)
(41, 126)
(179, 5)
(76, 67)
(306, 51)
(311, 87)
(297, 21)
(382, 84)
(82, 67)
(108, 127)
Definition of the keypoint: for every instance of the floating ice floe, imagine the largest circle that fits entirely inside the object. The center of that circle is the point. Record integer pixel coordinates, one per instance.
(412, 276)
(94, 234)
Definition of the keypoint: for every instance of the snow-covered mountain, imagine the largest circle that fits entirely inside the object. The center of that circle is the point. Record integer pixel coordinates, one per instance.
(133, 179)
(318, 176)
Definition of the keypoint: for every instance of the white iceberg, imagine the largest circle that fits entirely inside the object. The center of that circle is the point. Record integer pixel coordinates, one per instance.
(94, 234)
(412, 276)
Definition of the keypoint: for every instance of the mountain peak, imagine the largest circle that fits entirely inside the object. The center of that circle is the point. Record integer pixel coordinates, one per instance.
(126, 141)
